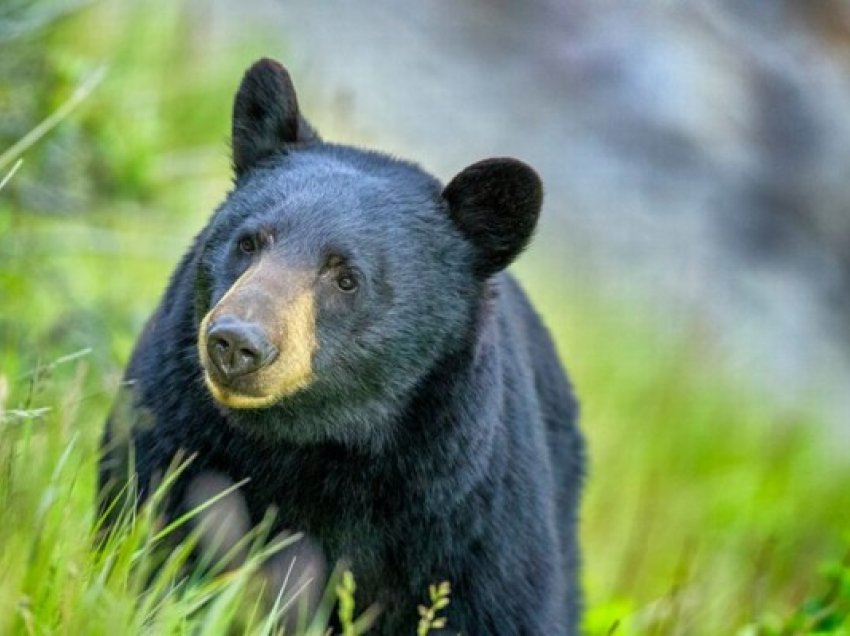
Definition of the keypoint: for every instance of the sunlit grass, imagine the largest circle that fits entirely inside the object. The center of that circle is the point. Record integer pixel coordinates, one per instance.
(709, 507)
(66, 571)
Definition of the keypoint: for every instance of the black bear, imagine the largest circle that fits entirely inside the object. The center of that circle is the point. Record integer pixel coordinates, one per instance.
(342, 336)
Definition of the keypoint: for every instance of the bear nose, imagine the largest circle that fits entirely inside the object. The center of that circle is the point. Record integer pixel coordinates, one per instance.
(238, 348)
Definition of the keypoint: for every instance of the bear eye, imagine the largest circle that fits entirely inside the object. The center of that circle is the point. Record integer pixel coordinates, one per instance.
(346, 282)
(247, 245)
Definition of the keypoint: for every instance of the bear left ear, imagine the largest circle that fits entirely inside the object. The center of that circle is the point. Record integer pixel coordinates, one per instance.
(495, 203)
(265, 115)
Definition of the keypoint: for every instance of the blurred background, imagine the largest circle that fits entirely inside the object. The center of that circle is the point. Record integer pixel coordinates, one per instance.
(693, 258)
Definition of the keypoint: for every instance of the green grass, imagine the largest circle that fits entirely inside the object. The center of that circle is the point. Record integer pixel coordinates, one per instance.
(709, 509)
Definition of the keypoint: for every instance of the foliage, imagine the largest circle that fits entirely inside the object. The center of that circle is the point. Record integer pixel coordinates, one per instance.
(429, 618)
(351, 625)
(709, 506)
(827, 612)
(65, 571)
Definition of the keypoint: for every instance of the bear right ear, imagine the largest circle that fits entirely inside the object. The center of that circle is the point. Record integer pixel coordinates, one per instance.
(265, 115)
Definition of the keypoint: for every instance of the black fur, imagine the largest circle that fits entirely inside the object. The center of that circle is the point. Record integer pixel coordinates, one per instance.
(265, 116)
(496, 203)
(438, 440)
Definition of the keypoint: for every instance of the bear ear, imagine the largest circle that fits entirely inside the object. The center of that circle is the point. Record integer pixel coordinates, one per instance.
(495, 203)
(265, 115)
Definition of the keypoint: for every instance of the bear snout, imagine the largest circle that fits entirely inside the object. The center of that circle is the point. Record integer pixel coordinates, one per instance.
(237, 347)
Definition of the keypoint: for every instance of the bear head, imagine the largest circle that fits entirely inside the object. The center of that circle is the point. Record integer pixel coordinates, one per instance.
(332, 280)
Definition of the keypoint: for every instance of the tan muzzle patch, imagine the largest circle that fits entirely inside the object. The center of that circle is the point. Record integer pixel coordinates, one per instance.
(282, 302)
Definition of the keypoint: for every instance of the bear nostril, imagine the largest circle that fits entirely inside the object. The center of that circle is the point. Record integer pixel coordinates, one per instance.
(247, 357)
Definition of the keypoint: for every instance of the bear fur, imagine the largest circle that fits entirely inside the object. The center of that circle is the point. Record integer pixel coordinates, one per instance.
(433, 432)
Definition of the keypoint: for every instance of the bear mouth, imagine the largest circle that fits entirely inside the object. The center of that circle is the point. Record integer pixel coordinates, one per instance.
(247, 392)
(237, 395)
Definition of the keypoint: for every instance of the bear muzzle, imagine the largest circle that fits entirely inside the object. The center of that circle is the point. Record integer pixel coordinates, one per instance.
(256, 345)
(237, 348)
